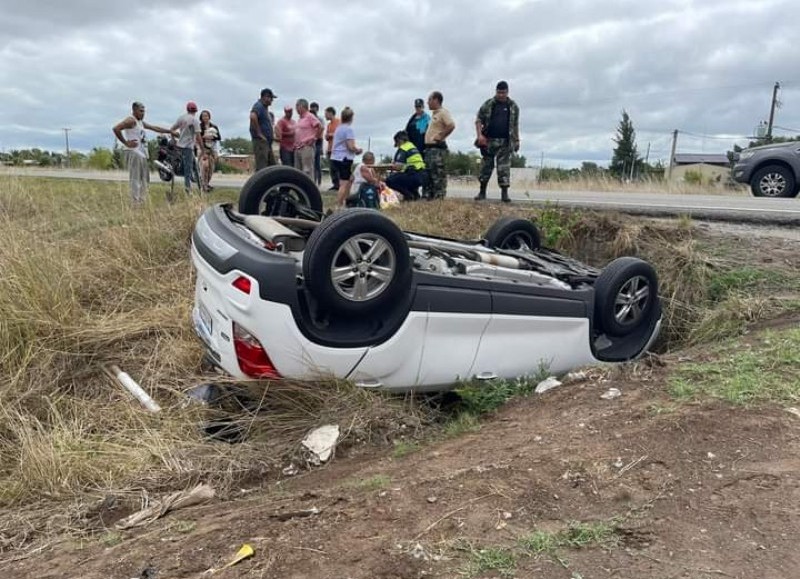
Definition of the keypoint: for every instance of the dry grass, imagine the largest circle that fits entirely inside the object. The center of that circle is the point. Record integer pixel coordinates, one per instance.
(87, 280)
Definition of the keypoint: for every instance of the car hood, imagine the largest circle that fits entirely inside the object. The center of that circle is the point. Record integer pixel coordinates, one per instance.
(789, 145)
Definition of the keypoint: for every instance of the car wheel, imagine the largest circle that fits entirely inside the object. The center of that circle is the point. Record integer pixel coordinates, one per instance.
(513, 233)
(280, 191)
(773, 181)
(626, 292)
(357, 261)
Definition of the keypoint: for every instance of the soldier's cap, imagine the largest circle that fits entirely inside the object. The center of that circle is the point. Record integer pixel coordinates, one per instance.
(419, 103)
(502, 85)
(268, 92)
(191, 107)
(401, 136)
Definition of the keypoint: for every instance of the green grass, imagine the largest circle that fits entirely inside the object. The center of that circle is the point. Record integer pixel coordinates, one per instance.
(576, 536)
(374, 483)
(743, 280)
(403, 448)
(481, 560)
(767, 371)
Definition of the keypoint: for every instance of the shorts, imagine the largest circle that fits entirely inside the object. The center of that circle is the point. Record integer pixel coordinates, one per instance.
(344, 169)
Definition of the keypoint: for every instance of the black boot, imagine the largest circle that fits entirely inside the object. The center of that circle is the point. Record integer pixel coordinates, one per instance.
(504, 195)
(481, 194)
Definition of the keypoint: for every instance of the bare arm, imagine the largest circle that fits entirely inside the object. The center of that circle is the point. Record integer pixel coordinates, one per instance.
(351, 146)
(126, 123)
(255, 128)
(157, 129)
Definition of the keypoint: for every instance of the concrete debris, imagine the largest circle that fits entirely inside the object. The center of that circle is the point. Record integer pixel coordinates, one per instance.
(547, 384)
(573, 377)
(321, 442)
(611, 393)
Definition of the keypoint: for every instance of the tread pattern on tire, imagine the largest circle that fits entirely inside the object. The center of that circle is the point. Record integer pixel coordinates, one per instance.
(506, 225)
(609, 283)
(252, 192)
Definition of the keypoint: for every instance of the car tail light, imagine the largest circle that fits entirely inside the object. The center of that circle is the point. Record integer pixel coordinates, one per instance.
(251, 355)
(243, 284)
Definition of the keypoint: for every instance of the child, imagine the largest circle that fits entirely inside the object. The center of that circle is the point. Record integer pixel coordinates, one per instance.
(366, 184)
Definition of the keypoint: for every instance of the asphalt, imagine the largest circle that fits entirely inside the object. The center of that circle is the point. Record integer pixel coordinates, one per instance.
(727, 206)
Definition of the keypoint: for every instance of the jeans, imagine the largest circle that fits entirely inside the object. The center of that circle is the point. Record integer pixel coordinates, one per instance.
(318, 162)
(287, 157)
(187, 156)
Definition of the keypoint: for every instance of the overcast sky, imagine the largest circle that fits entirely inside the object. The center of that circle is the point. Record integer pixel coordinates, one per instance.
(704, 67)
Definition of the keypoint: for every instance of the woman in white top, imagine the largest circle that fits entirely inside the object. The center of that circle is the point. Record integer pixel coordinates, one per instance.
(342, 154)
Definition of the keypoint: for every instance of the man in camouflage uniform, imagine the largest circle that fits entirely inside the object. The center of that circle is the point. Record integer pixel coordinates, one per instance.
(497, 127)
(438, 130)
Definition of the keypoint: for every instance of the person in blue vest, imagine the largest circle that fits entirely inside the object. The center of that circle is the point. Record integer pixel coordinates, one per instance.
(409, 168)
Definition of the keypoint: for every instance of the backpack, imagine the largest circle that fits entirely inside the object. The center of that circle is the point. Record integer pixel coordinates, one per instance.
(369, 197)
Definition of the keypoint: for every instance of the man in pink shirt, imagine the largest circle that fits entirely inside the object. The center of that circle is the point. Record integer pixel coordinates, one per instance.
(307, 130)
(284, 133)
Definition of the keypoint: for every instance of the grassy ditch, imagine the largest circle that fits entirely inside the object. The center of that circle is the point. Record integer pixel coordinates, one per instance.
(767, 370)
(88, 281)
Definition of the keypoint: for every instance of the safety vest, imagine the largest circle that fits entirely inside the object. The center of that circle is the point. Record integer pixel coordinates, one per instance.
(413, 157)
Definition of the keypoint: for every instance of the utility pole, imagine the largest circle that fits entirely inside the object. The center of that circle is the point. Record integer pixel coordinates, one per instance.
(672, 154)
(66, 137)
(772, 110)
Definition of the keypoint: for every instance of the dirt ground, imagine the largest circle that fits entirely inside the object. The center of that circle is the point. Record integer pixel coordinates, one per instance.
(693, 490)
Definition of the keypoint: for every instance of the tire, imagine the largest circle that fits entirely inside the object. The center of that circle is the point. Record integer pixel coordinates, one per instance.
(165, 175)
(773, 181)
(626, 293)
(513, 233)
(338, 267)
(280, 191)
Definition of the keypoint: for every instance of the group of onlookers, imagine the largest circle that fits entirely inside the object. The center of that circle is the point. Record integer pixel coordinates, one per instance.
(418, 164)
(197, 139)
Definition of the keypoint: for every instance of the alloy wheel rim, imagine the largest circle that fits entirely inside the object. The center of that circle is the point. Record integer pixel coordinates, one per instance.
(363, 267)
(773, 185)
(632, 300)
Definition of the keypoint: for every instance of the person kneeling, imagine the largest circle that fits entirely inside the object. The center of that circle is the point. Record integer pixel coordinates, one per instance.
(409, 168)
(366, 184)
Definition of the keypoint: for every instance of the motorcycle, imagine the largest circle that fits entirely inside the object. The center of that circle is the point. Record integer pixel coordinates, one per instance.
(169, 161)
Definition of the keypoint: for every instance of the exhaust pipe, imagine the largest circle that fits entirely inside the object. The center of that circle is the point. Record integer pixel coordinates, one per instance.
(163, 167)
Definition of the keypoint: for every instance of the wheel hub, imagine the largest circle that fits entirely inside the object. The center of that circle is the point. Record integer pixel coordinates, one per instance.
(363, 267)
(632, 300)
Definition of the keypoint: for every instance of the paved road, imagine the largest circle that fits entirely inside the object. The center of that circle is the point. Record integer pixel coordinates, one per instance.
(731, 207)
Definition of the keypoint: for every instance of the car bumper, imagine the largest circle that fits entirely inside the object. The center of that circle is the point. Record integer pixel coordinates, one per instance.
(742, 172)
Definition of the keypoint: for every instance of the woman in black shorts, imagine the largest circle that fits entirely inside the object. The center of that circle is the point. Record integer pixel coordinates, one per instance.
(342, 154)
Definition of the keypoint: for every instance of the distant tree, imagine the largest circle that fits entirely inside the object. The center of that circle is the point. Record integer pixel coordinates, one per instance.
(625, 152)
(237, 146)
(100, 158)
(589, 169)
(385, 160)
(459, 163)
(518, 160)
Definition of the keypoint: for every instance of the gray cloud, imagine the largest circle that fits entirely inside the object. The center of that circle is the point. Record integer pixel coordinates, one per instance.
(706, 68)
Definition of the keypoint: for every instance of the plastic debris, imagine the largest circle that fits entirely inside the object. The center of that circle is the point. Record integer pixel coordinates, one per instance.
(321, 442)
(547, 384)
(199, 494)
(611, 393)
(131, 386)
(244, 552)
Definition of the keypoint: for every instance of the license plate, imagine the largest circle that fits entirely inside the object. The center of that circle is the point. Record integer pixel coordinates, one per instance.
(205, 319)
